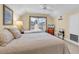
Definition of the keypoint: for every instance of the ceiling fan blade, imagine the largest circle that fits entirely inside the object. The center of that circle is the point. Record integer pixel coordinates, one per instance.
(46, 7)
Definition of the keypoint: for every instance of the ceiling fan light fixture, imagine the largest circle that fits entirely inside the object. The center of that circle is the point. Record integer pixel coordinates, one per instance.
(44, 6)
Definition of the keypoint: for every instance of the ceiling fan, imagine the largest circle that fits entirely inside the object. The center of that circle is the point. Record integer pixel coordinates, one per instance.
(46, 7)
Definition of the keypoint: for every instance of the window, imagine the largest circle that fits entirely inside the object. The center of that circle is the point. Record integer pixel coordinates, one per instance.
(38, 23)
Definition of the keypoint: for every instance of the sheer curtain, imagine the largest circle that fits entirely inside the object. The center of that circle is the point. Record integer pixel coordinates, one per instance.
(38, 23)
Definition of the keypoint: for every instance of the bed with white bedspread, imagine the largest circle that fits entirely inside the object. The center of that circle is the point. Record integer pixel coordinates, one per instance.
(36, 43)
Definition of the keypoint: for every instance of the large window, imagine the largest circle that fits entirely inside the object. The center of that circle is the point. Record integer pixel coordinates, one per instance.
(38, 22)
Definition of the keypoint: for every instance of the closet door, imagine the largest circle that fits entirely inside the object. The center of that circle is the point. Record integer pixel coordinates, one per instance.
(74, 27)
(74, 24)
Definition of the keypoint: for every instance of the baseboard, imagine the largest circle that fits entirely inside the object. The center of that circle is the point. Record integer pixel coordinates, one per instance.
(71, 41)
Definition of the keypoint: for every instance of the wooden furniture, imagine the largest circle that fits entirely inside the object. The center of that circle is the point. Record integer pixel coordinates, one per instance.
(22, 32)
(51, 31)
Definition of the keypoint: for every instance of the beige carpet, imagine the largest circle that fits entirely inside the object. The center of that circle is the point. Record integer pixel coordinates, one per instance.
(74, 49)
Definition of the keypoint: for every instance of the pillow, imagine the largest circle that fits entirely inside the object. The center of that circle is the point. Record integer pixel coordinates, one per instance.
(16, 33)
(5, 37)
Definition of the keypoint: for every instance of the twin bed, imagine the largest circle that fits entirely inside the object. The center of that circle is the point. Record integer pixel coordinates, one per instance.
(35, 43)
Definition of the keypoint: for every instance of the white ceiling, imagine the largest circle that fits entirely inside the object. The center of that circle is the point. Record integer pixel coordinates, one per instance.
(53, 9)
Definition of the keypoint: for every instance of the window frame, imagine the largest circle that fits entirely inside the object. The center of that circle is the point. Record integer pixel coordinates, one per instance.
(37, 17)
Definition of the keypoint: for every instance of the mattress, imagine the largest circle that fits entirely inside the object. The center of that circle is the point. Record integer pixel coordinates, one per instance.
(36, 43)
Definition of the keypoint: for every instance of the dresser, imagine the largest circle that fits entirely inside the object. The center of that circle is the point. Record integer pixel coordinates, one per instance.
(50, 31)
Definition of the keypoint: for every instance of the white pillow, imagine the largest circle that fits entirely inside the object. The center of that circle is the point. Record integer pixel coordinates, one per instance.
(16, 33)
(5, 37)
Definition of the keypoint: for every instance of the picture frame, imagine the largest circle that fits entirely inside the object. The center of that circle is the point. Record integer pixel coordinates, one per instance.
(7, 15)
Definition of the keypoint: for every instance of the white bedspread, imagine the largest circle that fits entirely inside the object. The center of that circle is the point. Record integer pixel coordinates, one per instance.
(36, 43)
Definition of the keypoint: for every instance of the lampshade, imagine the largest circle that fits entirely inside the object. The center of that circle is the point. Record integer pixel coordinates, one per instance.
(19, 24)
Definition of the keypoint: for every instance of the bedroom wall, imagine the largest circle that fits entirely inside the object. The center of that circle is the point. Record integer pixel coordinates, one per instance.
(1, 18)
(1, 15)
(25, 17)
(65, 23)
(66, 26)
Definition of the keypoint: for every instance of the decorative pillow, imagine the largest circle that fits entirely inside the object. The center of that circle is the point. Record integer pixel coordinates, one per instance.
(16, 33)
(5, 37)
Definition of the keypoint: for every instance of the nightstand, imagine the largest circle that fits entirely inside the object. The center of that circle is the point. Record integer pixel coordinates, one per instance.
(22, 32)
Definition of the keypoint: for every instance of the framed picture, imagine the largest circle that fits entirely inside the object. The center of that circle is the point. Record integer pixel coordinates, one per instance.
(7, 16)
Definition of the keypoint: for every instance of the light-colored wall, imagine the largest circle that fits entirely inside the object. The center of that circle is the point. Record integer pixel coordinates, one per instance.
(1, 15)
(64, 23)
(25, 17)
(66, 26)
(1, 18)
